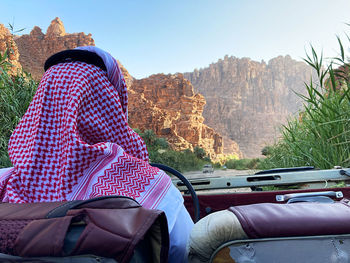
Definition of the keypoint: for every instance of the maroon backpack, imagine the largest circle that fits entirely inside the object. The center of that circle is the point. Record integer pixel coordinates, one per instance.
(112, 227)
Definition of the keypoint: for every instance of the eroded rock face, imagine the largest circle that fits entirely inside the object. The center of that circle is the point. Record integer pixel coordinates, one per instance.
(36, 47)
(247, 101)
(8, 45)
(168, 105)
(56, 29)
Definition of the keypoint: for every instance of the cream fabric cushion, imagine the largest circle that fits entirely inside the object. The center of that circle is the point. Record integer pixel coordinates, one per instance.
(212, 231)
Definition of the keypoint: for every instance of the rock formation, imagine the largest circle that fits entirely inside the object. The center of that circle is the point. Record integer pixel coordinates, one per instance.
(168, 105)
(247, 101)
(8, 45)
(36, 47)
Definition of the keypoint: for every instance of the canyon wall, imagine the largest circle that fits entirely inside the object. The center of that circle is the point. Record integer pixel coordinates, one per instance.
(168, 105)
(36, 47)
(247, 101)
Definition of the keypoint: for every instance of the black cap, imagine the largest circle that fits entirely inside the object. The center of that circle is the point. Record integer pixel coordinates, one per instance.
(75, 55)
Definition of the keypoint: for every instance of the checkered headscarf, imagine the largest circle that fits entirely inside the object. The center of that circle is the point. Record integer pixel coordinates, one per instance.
(74, 141)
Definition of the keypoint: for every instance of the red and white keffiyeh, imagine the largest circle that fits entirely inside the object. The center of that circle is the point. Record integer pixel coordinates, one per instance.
(74, 141)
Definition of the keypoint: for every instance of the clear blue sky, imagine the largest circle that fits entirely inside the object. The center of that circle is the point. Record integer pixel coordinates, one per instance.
(154, 36)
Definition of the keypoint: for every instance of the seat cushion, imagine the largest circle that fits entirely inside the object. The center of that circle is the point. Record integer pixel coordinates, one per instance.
(295, 219)
(212, 231)
(266, 220)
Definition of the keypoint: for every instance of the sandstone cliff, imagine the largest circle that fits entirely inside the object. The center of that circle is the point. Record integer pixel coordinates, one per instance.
(36, 47)
(168, 105)
(247, 101)
(8, 45)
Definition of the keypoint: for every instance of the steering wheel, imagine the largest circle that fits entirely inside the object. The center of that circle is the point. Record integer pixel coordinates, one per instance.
(186, 183)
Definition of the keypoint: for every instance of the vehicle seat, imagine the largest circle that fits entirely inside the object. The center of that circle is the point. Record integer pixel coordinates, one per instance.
(212, 231)
(267, 220)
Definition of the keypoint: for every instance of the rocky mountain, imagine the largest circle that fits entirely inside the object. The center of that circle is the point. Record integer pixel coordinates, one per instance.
(36, 47)
(247, 101)
(8, 45)
(166, 104)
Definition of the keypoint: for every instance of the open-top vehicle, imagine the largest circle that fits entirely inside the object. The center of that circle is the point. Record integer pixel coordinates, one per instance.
(302, 216)
(282, 215)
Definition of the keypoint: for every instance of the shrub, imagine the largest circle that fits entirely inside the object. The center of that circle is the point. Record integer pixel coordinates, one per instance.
(242, 164)
(320, 136)
(16, 93)
(217, 165)
(266, 150)
(199, 152)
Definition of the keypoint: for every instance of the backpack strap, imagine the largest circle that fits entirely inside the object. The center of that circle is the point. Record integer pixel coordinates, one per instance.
(112, 201)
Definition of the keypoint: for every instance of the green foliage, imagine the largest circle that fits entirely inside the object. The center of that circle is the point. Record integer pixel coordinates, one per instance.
(199, 152)
(152, 141)
(242, 164)
(11, 27)
(340, 184)
(160, 152)
(320, 137)
(266, 150)
(217, 165)
(16, 92)
(181, 161)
